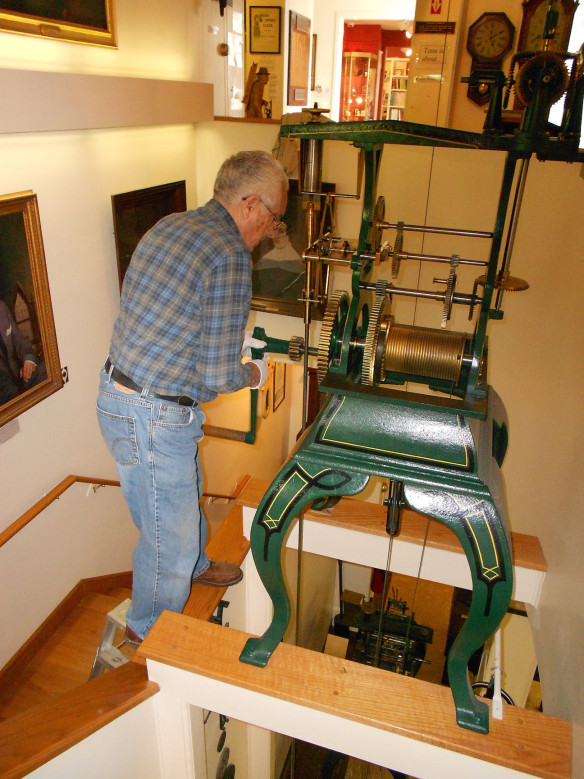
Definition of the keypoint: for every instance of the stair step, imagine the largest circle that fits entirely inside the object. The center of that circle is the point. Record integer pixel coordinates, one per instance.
(65, 660)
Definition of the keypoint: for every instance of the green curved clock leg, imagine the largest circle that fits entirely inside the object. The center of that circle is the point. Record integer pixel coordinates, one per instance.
(484, 538)
(296, 486)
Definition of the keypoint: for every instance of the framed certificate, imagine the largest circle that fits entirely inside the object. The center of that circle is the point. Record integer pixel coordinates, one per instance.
(264, 29)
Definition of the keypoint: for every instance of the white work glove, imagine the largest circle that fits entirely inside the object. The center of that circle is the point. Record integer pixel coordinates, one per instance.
(248, 342)
(263, 368)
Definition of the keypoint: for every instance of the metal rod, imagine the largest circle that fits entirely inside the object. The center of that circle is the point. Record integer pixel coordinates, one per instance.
(439, 258)
(512, 231)
(466, 300)
(438, 230)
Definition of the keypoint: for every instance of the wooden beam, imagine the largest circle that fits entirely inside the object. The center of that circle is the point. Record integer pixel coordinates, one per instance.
(354, 531)
(389, 719)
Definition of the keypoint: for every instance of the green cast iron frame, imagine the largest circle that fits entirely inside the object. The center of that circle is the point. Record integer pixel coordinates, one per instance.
(446, 452)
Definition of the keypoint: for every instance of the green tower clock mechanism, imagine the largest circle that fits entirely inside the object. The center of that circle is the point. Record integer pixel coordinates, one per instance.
(442, 451)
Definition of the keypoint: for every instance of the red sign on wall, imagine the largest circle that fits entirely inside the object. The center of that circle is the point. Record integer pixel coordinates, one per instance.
(436, 7)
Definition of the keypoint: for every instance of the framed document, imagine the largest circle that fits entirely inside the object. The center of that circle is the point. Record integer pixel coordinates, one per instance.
(264, 29)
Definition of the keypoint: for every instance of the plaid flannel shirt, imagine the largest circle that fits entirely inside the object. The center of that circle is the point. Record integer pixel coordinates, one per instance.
(185, 303)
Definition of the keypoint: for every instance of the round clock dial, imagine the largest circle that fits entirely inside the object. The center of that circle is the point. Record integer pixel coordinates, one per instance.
(534, 38)
(490, 37)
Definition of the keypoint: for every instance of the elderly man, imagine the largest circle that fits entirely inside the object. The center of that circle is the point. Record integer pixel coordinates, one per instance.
(177, 343)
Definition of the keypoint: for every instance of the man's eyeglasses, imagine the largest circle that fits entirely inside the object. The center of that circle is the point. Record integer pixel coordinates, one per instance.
(279, 225)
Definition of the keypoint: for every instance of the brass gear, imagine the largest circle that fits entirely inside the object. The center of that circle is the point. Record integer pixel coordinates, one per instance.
(397, 248)
(296, 348)
(450, 287)
(529, 73)
(376, 230)
(333, 323)
(379, 320)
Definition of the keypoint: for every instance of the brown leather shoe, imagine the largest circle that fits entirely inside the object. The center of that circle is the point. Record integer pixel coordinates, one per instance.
(132, 639)
(220, 575)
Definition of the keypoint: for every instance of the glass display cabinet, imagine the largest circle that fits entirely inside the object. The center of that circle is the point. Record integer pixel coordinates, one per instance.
(358, 84)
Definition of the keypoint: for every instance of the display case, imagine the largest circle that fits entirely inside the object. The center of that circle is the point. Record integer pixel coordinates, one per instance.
(358, 93)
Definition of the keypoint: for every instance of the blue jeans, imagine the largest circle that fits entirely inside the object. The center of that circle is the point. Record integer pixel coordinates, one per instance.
(155, 446)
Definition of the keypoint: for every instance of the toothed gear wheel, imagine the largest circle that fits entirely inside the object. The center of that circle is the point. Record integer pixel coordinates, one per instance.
(296, 348)
(331, 332)
(380, 287)
(448, 297)
(371, 355)
(375, 230)
(397, 248)
(555, 78)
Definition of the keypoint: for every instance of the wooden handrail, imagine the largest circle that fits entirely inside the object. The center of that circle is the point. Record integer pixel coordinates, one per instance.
(47, 499)
(235, 494)
(67, 482)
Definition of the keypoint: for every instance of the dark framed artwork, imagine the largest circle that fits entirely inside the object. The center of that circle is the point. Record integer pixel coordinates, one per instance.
(265, 23)
(279, 384)
(278, 274)
(29, 358)
(136, 212)
(80, 21)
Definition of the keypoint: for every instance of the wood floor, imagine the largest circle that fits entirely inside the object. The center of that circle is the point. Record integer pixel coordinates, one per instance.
(65, 660)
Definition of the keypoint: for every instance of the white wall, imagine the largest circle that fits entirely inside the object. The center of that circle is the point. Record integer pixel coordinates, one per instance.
(128, 746)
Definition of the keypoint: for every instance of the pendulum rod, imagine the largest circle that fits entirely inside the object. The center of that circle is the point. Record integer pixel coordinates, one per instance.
(512, 230)
(395, 506)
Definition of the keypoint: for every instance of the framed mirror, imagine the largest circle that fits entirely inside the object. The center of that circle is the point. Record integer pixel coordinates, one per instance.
(29, 360)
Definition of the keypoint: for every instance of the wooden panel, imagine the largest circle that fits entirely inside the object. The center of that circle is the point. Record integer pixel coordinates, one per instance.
(526, 741)
(37, 101)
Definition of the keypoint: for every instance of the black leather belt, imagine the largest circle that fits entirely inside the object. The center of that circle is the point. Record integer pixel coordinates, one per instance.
(126, 381)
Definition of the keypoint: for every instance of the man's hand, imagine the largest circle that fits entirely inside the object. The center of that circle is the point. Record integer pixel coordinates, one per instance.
(249, 343)
(28, 368)
(259, 373)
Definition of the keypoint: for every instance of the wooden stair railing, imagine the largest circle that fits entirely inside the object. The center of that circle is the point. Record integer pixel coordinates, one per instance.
(31, 739)
(46, 500)
(67, 482)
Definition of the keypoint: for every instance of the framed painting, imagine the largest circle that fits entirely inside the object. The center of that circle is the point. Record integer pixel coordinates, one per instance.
(265, 29)
(29, 359)
(279, 272)
(80, 21)
(279, 384)
(136, 212)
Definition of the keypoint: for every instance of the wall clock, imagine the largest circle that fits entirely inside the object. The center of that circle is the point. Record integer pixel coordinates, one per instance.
(533, 25)
(490, 39)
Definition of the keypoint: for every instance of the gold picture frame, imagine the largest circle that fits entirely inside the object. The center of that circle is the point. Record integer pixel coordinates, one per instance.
(265, 29)
(78, 21)
(26, 315)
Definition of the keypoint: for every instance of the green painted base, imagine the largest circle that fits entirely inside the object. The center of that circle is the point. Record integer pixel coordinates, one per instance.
(447, 465)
